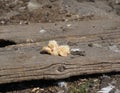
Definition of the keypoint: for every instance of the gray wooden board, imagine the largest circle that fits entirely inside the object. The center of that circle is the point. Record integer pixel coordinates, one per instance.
(21, 33)
(24, 61)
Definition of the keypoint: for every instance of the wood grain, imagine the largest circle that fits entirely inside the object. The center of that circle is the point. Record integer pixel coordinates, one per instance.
(24, 61)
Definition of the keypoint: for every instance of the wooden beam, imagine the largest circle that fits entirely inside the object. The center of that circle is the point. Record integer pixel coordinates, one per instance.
(24, 61)
(31, 33)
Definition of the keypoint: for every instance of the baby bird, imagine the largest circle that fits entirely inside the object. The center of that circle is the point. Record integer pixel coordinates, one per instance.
(54, 49)
(63, 50)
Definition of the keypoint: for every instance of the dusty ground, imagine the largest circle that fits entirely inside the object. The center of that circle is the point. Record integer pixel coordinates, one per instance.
(79, 84)
(28, 11)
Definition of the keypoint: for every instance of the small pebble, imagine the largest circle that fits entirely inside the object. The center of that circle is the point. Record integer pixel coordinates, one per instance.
(61, 91)
(2, 22)
(117, 91)
(62, 84)
(75, 49)
(106, 89)
(68, 25)
(78, 52)
(35, 90)
(117, 1)
(42, 31)
(114, 48)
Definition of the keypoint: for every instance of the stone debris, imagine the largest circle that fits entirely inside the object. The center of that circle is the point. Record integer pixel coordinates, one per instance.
(60, 91)
(63, 85)
(42, 31)
(117, 91)
(54, 49)
(114, 48)
(106, 89)
(68, 25)
(77, 51)
(117, 1)
(33, 5)
(35, 90)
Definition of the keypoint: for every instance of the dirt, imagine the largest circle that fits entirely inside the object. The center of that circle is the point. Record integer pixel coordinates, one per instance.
(21, 12)
(78, 84)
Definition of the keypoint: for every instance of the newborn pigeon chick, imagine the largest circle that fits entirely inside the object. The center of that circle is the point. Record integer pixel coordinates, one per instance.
(54, 49)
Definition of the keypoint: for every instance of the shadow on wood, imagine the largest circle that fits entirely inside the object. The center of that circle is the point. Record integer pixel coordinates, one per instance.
(4, 43)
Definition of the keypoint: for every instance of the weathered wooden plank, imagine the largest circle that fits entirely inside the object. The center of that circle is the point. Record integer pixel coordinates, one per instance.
(16, 66)
(25, 62)
(31, 33)
(19, 63)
